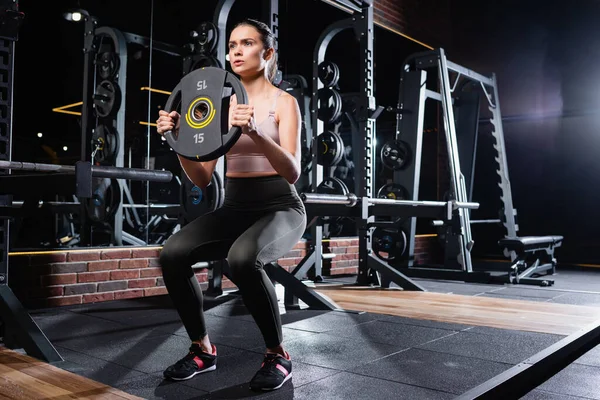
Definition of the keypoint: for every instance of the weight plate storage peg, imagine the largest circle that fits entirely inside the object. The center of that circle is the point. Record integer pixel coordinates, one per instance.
(107, 98)
(395, 155)
(388, 243)
(204, 111)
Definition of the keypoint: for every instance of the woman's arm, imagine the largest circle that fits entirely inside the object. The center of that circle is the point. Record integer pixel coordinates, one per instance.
(284, 157)
(200, 173)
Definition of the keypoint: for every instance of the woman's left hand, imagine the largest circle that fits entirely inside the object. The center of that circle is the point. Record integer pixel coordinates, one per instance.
(242, 115)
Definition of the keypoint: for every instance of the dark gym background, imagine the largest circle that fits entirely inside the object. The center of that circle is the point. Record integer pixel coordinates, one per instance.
(546, 66)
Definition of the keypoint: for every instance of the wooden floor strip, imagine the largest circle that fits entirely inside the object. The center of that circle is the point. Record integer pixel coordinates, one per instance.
(534, 316)
(24, 377)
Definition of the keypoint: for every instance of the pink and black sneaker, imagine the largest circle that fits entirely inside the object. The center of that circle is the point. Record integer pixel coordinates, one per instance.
(273, 373)
(194, 363)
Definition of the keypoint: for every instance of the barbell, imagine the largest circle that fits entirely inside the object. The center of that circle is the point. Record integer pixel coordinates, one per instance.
(352, 200)
(84, 172)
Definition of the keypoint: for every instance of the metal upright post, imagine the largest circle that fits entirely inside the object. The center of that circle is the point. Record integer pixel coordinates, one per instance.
(365, 171)
(457, 180)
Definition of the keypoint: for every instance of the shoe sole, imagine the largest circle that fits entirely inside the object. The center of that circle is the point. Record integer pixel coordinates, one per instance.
(214, 367)
(276, 387)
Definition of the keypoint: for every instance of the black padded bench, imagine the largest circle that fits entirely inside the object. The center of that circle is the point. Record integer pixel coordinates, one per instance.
(534, 256)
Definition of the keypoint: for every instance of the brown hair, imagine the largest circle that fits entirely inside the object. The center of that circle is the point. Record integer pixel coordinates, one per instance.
(268, 39)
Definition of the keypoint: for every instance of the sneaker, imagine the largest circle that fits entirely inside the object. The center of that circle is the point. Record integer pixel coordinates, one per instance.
(273, 373)
(194, 363)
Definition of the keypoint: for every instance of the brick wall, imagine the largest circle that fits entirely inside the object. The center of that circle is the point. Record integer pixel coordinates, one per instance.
(54, 279)
(390, 14)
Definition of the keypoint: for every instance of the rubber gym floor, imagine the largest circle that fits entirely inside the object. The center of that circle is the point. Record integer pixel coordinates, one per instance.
(336, 355)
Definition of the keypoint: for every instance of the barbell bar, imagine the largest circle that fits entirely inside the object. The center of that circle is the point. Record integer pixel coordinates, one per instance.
(473, 221)
(351, 200)
(97, 171)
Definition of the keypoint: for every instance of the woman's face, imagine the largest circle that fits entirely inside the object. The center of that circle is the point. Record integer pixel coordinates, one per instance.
(247, 55)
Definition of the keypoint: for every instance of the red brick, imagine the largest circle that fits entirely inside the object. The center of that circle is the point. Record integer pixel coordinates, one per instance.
(116, 254)
(347, 256)
(343, 243)
(105, 265)
(83, 256)
(228, 284)
(352, 249)
(155, 291)
(338, 250)
(60, 279)
(93, 276)
(301, 245)
(293, 253)
(154, 262)
(125, 274)
(202, 277)
(141, 283)
(286, 262)
(112, 286)
(145, 253)
(134, 263)
(40, 259)
(68, 267)
(98, 297)
(149, 272)
(354, 242)
(80, 288)
(63, 301)
(129, 294)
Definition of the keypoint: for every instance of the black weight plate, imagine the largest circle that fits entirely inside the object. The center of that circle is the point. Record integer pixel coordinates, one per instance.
(329, 73)
(395, 155)
(196, 201)
(328, 148)
(106, 197)
(388, 243)
(203, 60)
(332, 185)
(392, 191)
(107, 99)
(208, 37)
(106, 140)
(204, 114)
(329, 107)
(108, 64)
(340, 155)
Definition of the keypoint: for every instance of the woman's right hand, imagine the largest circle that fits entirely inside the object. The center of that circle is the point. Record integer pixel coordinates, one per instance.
(167, 122)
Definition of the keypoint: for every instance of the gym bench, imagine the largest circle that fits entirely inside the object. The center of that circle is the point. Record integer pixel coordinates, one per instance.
(535, 256)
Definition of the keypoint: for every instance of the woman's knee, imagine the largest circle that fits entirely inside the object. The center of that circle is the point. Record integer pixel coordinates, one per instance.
(172, 255)
(242, 264)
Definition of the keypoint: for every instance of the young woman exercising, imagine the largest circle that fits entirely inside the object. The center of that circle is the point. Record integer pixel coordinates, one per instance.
(261, 219)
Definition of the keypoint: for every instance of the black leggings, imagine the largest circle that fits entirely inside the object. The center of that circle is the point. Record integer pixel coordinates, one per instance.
(260, 221)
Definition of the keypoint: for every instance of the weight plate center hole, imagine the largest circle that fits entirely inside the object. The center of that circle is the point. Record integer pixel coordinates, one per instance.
(201, 111)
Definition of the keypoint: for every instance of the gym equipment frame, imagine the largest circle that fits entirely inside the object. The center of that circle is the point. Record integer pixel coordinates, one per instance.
(461, 148)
